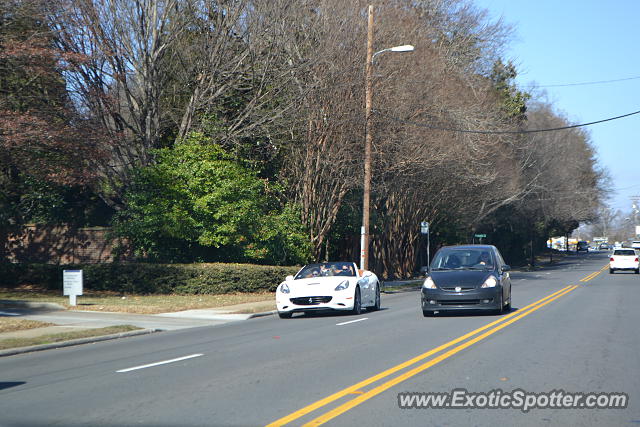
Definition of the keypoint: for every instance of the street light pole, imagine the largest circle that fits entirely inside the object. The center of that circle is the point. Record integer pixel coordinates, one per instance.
(366, 197)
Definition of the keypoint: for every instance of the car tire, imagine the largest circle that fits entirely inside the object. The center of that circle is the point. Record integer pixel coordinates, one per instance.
(501, 309)
(611, 271)
(376, 306)
(357, 303)
(637, 270)
(285, 315)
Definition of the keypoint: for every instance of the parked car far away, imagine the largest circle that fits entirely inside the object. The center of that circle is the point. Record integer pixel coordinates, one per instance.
(328, 286)
(470, 277)
(624, 259)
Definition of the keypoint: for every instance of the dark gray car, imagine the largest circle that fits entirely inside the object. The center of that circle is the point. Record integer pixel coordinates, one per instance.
(469, 277)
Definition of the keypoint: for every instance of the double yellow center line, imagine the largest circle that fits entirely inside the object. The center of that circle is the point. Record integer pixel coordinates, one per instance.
(362, 396)
(594, 274)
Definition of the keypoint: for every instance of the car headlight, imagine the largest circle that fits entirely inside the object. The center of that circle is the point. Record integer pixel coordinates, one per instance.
(429, 283)
(342, 286)
(284, 288)
(491, 282)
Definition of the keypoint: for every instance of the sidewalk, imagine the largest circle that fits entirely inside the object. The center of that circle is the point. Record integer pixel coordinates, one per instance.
(72, 320)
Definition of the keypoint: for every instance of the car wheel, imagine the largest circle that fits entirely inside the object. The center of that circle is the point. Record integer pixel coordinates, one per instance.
(285, 315)
(611, 271)
(376, 306)
(500, 310)
(507, 308)
(357, 303)
(637, 270)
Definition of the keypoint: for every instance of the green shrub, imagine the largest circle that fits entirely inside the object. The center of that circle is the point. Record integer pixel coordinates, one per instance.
(198, 203)
(143, 278)
(41, 275)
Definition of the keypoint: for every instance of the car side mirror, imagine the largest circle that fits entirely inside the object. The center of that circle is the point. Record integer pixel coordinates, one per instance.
(506, 267)
(424, 270)
(289, 278)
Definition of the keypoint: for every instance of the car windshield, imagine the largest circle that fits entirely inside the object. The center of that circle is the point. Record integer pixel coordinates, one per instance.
(624, 252)
(463, 259)
(326, 269)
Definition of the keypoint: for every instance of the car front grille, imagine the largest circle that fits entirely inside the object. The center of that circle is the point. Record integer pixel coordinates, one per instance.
(310, 300)
(462, 288)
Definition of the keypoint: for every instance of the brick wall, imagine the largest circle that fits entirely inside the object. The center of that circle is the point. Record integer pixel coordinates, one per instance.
(60, 245)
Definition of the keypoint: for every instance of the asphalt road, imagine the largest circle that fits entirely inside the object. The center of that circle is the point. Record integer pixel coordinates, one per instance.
(574, 327)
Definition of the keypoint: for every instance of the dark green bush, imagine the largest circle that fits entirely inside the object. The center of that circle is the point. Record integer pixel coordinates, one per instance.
(41, 275)
(143, 278)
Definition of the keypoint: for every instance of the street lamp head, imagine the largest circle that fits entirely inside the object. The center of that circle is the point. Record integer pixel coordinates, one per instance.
(403, 48)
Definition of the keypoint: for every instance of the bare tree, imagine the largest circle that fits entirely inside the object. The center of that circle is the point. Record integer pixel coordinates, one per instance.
(153, 71)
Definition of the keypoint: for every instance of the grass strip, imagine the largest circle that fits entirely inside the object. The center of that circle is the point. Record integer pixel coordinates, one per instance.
(8, 324)
(138, 304)
(64, 336)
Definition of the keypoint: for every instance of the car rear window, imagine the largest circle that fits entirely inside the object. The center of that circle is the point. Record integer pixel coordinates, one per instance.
(624, 252)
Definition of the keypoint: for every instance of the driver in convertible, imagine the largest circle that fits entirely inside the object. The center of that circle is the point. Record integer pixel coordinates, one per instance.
(346, 270)
(314, 272)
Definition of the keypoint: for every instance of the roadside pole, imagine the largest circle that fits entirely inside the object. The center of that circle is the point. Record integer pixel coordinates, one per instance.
(424, 229)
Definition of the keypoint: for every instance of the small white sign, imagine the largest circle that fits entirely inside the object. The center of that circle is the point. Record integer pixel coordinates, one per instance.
(424, 227)
(72, 284)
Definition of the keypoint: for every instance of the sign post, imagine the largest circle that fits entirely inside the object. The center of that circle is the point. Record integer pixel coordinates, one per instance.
(424, 229)
(72, 284)
(480, 236)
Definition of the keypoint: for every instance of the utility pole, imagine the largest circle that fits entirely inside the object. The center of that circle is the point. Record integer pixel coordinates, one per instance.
(636, 207)
(366, 197)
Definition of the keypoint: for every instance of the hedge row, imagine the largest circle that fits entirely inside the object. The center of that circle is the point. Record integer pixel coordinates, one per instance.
(142, 278)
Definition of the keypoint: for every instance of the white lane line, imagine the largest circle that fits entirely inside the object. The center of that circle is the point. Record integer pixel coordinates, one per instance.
(4, 313)
(351, 321)
(164, 362)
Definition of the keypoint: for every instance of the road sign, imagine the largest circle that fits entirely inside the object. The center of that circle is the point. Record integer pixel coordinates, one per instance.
(424, 227)
(481, 236)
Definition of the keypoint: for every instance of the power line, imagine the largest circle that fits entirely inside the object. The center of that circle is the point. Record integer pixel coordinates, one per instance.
(495, 132)
(584, 83)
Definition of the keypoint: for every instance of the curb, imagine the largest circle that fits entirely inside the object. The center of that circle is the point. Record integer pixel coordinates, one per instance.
(33, 305)
(400, 286)
(29, 349)
(391, 290)
(263, 314)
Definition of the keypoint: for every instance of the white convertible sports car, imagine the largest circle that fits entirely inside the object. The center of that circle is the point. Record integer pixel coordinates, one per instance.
(328, 286)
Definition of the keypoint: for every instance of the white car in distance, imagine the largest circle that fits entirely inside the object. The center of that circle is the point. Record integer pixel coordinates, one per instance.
(328, 286)
(624, 259)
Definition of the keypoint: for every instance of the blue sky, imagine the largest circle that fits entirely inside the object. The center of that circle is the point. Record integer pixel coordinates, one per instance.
(571, 41)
